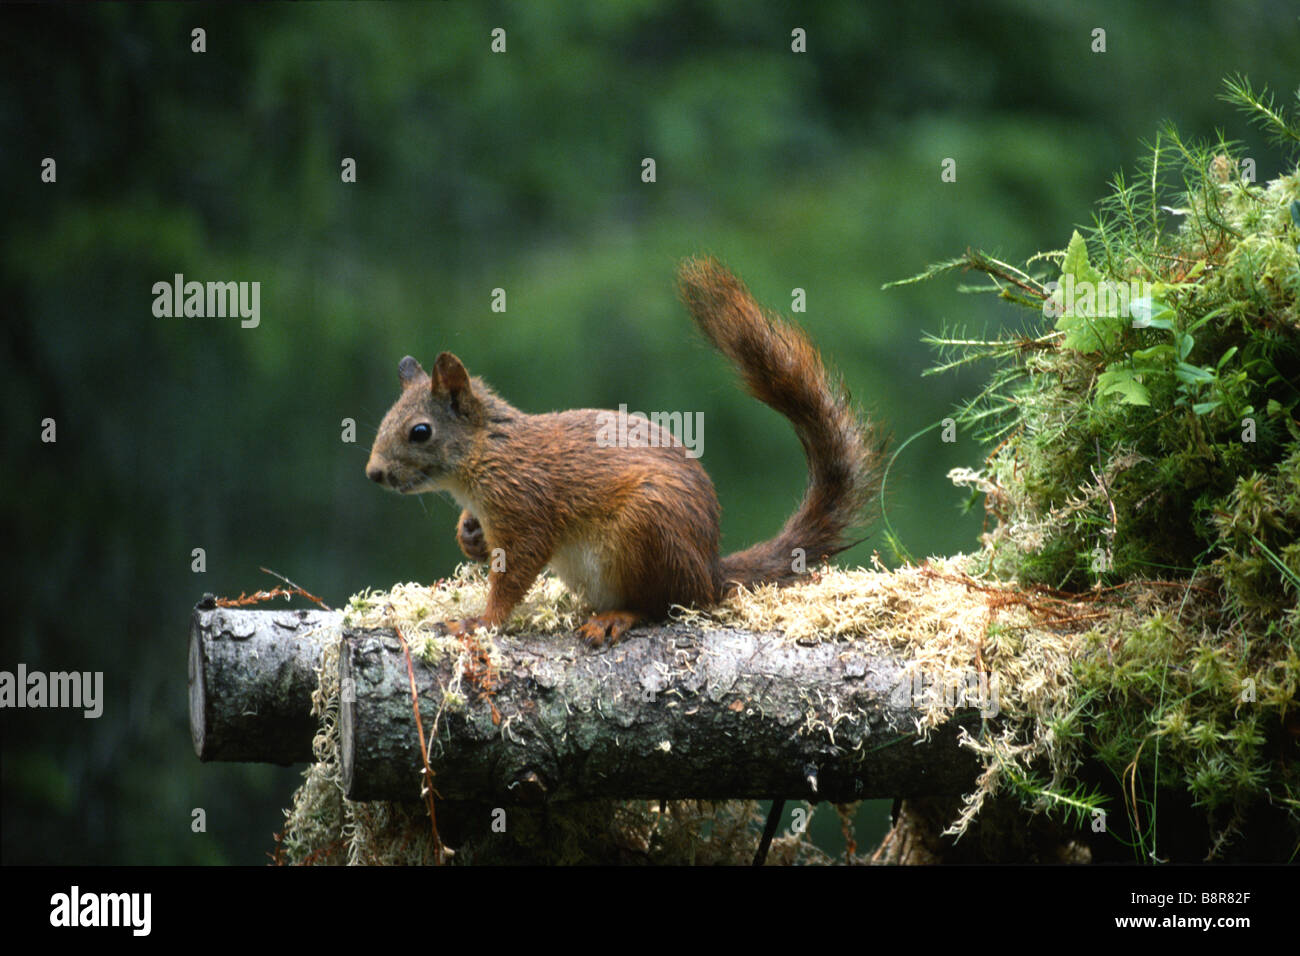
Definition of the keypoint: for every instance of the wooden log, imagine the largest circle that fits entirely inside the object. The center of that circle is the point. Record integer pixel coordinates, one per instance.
(251, 677)
(671, 712)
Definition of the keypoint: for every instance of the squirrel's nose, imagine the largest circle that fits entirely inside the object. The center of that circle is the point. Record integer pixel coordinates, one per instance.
(375, 472)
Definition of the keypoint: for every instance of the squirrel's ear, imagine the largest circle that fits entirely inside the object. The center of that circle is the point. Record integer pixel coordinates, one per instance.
(409, 371)
(452, 379)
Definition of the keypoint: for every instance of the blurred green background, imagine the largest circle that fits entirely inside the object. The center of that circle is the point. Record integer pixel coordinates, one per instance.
(476, 171)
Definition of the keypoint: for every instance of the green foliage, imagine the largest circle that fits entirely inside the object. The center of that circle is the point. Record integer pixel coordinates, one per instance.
(1168, 373)
(1148, 428)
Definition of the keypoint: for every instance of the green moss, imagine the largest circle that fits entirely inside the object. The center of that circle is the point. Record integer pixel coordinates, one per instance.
(1163, 442)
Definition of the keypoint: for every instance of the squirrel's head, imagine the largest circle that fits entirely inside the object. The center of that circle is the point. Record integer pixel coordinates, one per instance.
(427, 430)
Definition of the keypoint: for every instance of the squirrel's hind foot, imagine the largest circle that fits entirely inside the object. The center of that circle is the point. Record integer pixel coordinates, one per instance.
(609, 627)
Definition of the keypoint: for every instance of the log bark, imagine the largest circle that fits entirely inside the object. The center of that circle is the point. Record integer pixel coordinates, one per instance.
(251, 677)
(671, 712)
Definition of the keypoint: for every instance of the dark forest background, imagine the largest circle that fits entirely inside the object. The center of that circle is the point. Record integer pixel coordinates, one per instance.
(476, 171)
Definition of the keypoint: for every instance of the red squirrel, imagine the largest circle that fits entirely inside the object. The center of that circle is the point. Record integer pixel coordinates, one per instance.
(633, 529)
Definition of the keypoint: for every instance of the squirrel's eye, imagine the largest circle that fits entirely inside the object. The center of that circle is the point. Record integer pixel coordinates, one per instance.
(421, 432)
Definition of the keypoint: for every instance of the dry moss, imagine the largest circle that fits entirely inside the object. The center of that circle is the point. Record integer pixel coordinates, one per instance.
(946, 623)
(325, 828)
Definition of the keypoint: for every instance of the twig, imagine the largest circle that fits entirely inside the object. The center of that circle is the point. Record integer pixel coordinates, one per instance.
(296, 588)
(426, 790)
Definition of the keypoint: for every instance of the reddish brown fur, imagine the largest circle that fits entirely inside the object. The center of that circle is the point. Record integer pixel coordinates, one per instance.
(782, 368)
(637, 527)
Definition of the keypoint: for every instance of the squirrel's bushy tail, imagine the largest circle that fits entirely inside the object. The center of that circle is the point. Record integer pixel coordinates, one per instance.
(783, 369)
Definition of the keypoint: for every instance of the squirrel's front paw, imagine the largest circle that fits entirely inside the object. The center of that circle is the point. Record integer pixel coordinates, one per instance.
(469, 535)
(608, 628)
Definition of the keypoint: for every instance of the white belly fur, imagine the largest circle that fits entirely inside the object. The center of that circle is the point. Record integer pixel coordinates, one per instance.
(577, 562)
(579, 565)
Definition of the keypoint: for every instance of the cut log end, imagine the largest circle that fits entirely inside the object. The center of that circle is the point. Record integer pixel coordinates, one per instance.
(251, 677)
(198, 692)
